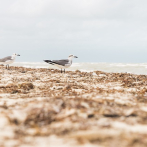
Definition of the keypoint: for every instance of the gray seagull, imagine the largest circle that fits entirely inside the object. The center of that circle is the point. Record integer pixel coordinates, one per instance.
(8, 60)
(63, 63)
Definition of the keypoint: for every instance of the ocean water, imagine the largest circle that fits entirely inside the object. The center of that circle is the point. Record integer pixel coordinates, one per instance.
(140, 68)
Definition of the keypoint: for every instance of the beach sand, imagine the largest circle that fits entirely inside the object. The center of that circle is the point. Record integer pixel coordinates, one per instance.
(44, 108)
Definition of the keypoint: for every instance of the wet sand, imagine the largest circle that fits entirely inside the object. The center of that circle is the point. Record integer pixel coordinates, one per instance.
(42, 108)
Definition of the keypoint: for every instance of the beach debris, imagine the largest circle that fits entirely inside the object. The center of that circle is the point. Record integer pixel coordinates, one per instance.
(87, 108)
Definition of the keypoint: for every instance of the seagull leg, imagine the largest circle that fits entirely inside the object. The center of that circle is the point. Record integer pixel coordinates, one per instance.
(64, 70)
(61, 70)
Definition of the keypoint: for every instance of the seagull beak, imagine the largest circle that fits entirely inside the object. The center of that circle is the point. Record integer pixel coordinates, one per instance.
(75, 57)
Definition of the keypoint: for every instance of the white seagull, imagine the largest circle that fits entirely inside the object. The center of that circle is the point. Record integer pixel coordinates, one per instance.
(63, 63)
(8, 60)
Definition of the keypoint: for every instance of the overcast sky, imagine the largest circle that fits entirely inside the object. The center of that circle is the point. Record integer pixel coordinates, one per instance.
(94, 30)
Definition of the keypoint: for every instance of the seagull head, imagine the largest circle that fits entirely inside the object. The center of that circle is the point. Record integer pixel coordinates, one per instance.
(15, 54)
(72, 56)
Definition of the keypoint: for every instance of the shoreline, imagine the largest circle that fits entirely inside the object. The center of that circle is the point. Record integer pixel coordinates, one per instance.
(42, 107)
(133, 68)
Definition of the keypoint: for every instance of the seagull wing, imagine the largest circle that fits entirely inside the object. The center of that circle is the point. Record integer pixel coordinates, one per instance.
(6, 59)
(59, 62)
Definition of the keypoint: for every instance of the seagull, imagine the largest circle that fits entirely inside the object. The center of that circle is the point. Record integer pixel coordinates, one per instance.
(8, 60)
(63, 63)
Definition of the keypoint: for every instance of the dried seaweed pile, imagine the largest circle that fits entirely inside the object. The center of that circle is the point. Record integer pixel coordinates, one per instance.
(42, 107)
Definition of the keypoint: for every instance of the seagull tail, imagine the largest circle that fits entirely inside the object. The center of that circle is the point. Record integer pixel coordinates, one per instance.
(48, 61)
